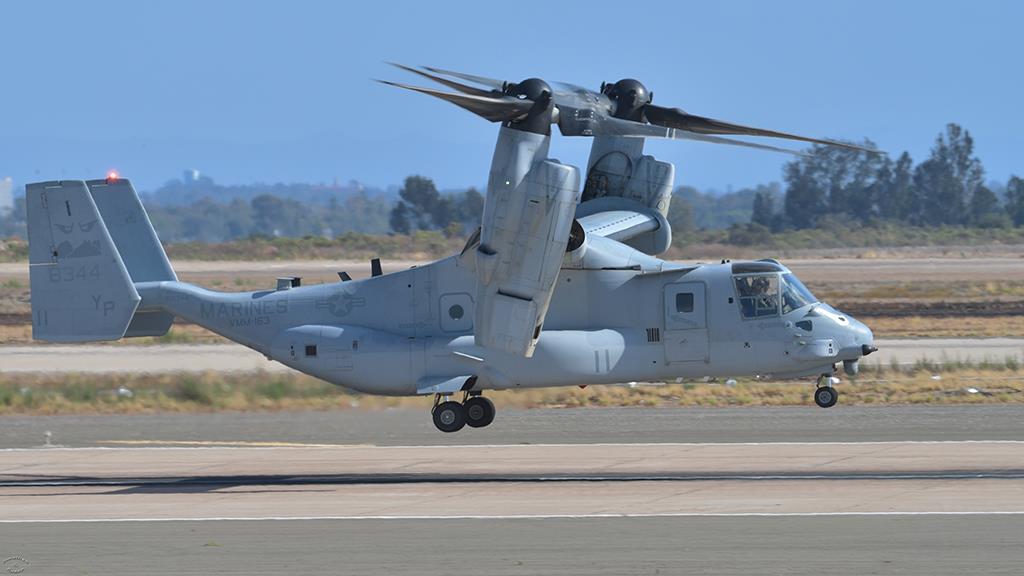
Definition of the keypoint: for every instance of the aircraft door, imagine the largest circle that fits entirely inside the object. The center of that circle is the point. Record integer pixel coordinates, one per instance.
(686, 322)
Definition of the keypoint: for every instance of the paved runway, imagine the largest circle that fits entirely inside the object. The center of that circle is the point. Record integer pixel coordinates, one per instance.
(710, 491)
(793, 508)
(533, 426)
(501, 481)
(234, 357)
(811, 546)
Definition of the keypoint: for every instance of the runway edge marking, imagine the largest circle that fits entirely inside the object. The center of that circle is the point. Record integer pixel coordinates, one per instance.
(520, 516)
(247, 445)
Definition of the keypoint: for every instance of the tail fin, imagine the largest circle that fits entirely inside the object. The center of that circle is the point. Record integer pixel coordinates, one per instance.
(136, 241)
(81, 290)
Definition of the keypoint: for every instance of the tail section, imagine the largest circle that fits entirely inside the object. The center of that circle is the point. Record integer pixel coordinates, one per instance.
(81, 289)
(136, 241)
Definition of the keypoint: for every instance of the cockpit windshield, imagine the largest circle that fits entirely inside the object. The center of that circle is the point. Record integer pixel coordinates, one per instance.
(795, 294)
(759, 294)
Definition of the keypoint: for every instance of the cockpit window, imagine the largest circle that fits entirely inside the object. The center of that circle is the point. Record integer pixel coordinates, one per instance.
(795, 294)
(759, 295)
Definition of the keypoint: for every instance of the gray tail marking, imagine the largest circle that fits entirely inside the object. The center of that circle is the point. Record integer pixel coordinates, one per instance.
(81, 289)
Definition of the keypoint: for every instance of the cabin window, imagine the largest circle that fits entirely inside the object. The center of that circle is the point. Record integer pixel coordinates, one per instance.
(684, 302)
(758, 294)
(311, 350)
(795, 294)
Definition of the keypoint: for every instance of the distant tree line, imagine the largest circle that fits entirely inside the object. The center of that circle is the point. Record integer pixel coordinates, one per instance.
(824, 187)
(207, 220)
(946, 189)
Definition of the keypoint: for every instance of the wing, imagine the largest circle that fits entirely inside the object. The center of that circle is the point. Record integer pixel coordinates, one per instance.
(620, 225)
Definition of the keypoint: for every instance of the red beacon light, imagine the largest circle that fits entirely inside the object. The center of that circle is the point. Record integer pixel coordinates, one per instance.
(112, 175)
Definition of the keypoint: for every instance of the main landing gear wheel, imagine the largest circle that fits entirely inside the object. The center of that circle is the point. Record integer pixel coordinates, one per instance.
(449, 416)
(479, 411)
(826, 396)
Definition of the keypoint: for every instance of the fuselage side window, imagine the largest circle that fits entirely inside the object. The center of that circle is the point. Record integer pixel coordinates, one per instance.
(684, 302)
(758, 295)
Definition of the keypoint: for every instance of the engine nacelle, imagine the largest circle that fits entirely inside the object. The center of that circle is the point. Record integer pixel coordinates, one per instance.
(524, 233)
(617, 169)
(600, 253)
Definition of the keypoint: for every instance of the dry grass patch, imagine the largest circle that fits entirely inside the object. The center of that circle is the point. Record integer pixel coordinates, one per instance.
(937, 327)
(21, 334)
(209, 392)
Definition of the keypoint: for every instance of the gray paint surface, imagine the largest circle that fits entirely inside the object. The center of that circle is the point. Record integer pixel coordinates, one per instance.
(237, 358)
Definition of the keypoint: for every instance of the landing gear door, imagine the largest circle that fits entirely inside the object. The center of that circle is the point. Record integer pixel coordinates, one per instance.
(686, 322)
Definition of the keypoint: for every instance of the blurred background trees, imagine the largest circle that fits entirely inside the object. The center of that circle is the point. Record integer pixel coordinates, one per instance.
(825, 188)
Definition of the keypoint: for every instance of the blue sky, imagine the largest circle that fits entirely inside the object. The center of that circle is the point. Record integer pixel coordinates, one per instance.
(258, 91)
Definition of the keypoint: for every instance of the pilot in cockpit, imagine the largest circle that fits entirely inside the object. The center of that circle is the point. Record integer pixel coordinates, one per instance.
(758, 297)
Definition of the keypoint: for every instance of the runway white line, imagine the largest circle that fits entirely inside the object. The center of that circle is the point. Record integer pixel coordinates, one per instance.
(254, 446)
(517, 517)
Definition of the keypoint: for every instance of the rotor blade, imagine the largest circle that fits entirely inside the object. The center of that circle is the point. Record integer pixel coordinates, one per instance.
(449, 83)
(494, 109)
(684, 135)
(483, 80)
(619, 127)
(676, 118)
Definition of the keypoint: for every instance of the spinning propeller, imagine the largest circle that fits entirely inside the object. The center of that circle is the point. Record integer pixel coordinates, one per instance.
(624, 108)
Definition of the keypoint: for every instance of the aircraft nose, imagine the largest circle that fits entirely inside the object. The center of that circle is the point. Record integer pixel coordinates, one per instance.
(863, 343)
(863, 336)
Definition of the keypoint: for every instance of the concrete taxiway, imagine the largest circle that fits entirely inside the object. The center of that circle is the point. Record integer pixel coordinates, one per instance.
(237, 358)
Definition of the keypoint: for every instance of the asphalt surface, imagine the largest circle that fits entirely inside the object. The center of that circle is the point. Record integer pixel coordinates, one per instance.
(852, 508)
(545, 491)
(237, 358)
(535, 426)
(904, 545)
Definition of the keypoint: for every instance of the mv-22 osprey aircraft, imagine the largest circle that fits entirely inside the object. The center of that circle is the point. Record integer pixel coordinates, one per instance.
(558, 287)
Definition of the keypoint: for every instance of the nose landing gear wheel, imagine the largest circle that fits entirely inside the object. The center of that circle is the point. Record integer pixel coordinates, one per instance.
(449, 416)
(826, 396)
(479, 411)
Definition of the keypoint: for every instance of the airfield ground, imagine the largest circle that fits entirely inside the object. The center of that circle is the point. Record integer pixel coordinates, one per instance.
(867, 488)
(896, 490)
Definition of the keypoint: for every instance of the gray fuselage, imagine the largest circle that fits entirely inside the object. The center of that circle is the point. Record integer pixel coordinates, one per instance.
(411, 332)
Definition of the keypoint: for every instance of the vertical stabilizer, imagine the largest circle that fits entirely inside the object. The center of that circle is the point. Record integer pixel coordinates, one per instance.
(137, 242)
(81, 290)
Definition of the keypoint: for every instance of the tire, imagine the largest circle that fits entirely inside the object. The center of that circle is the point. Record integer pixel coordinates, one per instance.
(826, 396)
(479, 411)
(449, 416)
